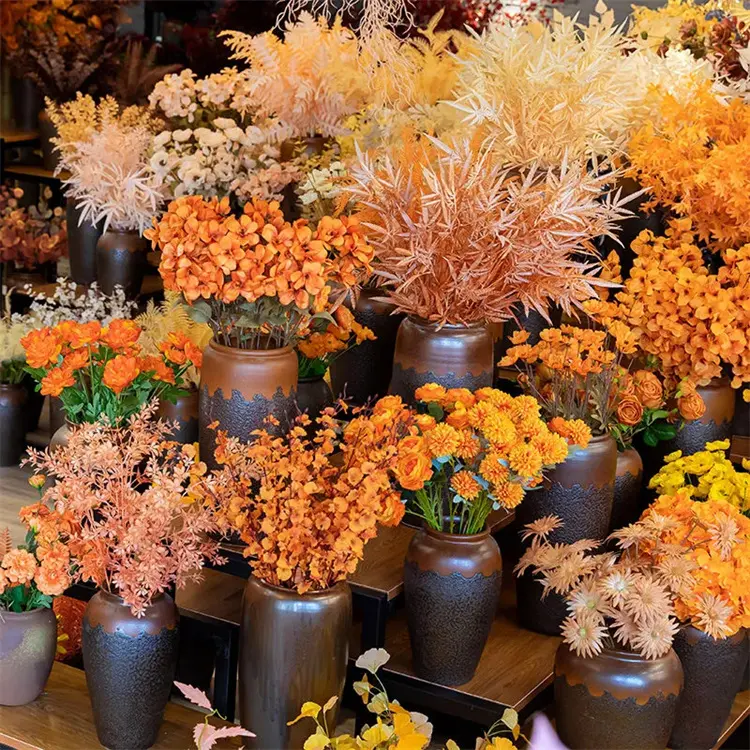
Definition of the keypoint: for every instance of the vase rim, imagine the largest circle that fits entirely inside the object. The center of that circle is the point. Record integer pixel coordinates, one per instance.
(293, 592)
(619, 653)
(119, 600)
(448, 536)
(451, 326)
(262, 352)
(6, 613)
(12, 386)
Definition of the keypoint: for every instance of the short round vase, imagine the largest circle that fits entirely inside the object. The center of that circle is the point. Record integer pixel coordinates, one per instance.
(363, 372)
(713, 674)
(616, 700)
(130, 665)
(453, 356)
(82, 240)
(121, 260)
(313, 395)
(184, 413)
(240, 388)
(627, 504)
(451, 590)
(13, 421)
(293, 648)
(28, 643)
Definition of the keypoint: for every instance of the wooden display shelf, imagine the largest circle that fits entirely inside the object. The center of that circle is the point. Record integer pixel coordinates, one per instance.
(61, 718)
(740, 711)
(11, 135)
(36, 171)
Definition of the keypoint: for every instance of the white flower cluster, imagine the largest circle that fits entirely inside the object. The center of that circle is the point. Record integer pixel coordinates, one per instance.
(319, 190)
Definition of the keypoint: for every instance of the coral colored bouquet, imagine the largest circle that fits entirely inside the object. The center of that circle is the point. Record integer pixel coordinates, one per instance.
(121, 502)
(477, 452)
(101, 372)
(255, 278)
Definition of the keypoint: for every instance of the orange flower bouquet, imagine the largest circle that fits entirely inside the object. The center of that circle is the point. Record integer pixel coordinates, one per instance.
(100, 372)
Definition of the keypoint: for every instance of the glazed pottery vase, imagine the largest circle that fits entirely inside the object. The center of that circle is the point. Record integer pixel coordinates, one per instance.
(454, 356)
(364, 371)
(184, 411)
(313, 395)
(47, 131)
(532, 322)
(130, 664)
(34, 403)
(580, 492)
(293, 648)
(239, 388)
(27, 101)
(82, 241)
(627, 505)
(13, 405)
(121, 260)
(57, 417)
(451, 590)
(713, 674)
(28, 643)
(60, 436)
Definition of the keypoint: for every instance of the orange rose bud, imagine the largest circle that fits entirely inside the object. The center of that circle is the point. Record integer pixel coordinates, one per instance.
(413, 470)
(691, 406)
(120, 372)
(630, 411)
(648, 389)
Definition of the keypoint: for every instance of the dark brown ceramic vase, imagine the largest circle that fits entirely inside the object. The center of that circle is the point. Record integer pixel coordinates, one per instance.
(28, 642)
(121, 260)
(293, 648)
(239, 388)
(364, 372)
(454, 356)
(130, 664)
(451, 589)
(47, 131)
(82, 241)
(184, 411)
(627, 505)
(13, 400)
(713, 675)
(617, 700)
(313, 395)
(27, 101)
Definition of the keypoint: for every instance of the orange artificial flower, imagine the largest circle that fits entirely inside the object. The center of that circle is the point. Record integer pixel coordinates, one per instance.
(57, 380)
(691, 406)
(79, 335)
(430, 392)
(413, 470)
(648, 389)
(464, 484)
(19, 567)
(42, 347)
(630, 411)
(120, 372)
(157, 366)
(76, 359)
(52, 580)
(122, 335)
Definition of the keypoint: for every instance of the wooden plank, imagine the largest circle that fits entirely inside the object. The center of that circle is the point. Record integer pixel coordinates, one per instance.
(217, 596)
(34, 170)
(61, 718)
(10, 134)
(740, 711)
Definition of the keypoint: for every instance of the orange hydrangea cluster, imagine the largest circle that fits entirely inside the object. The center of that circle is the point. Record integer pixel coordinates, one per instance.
(101, 371)
(694, 321)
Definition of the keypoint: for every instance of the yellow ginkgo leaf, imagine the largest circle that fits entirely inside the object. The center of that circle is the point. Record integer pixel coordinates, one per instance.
(411, 742)
(451, 745)
(317, 741)
(330, 703)
(309, 710)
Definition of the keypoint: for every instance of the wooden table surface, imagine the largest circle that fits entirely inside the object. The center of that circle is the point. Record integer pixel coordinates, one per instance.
(9, 133)
(740, 711)
(34, 170)
(61, 719)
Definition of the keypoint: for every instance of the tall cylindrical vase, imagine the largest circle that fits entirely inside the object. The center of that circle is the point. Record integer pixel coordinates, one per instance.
(27, 101)
(239, 388)
(47, 131)
(13, 399)
(454, 356)
(293, 648)
(121, 260)
(451, 589)
(627, 505)
(364, 371)
(183, 412)
(313, 395)
(82, 241)
(130, 664)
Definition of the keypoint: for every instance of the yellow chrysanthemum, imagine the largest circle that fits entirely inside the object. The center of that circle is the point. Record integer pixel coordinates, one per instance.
(469, 446)
(524, 408)
(500, 431)
(464, 484)
(493, 469)
(509, 494)
(552, 448)
(525, 460)
(579, 432)
(442, 440)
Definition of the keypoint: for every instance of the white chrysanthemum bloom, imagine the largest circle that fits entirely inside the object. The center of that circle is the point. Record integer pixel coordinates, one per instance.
(224, 123)
(174, 95)
(162, 139)
(180, 136)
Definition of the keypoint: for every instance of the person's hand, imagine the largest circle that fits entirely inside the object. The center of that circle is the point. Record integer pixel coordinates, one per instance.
(543, 735)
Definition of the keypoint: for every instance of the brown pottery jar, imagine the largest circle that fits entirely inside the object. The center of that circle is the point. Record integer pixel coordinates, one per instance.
(121, 260)
(184, 411)
(130, 665)
(628, 504)
(451, 589)
(239, 388)
(82, 241)
(313, 395)
(293, 648)
(453, 356)
(13, 418)
(616, 700)
(28, 643)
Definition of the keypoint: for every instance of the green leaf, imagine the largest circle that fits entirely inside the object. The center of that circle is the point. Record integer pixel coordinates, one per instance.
(435, 410)
(663, 431)
(200, 311)
(650, 438)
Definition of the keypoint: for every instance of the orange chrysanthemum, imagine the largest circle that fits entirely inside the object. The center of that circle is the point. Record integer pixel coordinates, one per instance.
(464, 484)
(42, 347)
(443, 440)
(121, 335)
(19, 567)
(56, 381)
(509, 494)
(120, 372)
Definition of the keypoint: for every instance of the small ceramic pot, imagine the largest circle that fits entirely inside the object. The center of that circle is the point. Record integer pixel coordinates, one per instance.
(313, 395)
(363, 372)
(13, 399)
(47, 131)
(616, 700)
(121, 260)
(239, 388)
(184, 411)
(82, 241)
(451, 589)
(454, 356)
(293, 648)
(628, 504)
(28, 642)
(27, 101)
(713, 675)
(130, 665)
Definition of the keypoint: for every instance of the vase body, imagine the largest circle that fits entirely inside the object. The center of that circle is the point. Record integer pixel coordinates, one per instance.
(47, 131)
(313, 395)
(130, 664)
(713, 675)
(28, 642)
(239, 388)
(34, 403)
(616, 700)
(57, 417)
(454, 356)
(533, 322)
(121, 260)
(535, 612)
(27, 101)
(82, 241)
(364, 371)
(451, 589)
(184, 411)
(293, 648)
(627, 505)
(13, 419)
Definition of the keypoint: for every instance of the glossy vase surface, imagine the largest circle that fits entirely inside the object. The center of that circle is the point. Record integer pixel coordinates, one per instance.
(184, 411)
(130, 664)
(57, 417)
(121, 260)
(364, 371)
(313, 395)
(713, 674)
(451, 589)
(34, 403)
(533, 322)
(13, 421)
(293, 648)
(27, 101)
(239, 388)
(616, 700)
(454, 356)
(82, 241)
(28, 643)
(47, 131)
(628, 503)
